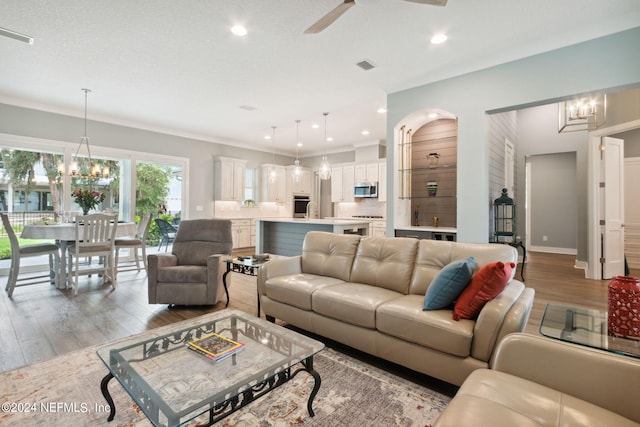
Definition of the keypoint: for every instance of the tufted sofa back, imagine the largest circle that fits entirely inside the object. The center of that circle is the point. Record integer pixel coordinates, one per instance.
(385, 262)
(434, 254)
(328, 254)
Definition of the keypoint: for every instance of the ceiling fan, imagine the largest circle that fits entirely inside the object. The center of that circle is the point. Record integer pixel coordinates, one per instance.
(336, 13)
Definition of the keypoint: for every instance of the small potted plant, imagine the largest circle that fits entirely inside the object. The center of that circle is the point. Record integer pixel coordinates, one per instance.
(249, 203)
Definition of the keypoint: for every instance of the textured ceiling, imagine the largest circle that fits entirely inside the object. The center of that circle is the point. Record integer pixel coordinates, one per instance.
(173, 66)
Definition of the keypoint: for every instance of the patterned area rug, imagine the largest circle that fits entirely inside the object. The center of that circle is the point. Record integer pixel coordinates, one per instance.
(66, 391)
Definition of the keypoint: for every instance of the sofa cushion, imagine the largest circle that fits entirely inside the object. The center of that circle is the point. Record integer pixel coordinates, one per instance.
(296, 289)
(385, 262)
(485, 285)
(329, 254)
(404, 318)
(492, 398)
(448, 283)
(183, 274)
(353, 303)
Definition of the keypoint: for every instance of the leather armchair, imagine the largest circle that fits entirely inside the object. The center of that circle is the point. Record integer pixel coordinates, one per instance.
(192, 273)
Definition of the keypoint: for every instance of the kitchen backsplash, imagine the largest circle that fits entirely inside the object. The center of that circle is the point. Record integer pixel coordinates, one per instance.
(364, 207)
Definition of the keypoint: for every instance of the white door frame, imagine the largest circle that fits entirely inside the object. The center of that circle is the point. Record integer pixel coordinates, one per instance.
(594, 269)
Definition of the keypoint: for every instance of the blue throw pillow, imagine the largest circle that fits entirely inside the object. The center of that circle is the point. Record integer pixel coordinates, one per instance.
(449, 283)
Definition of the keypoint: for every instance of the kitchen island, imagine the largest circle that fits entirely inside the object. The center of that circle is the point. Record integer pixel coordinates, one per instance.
(284, 236)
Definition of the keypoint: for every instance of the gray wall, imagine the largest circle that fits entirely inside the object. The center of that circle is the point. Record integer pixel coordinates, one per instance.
(538, 134)
(535, 80)
(554, 201)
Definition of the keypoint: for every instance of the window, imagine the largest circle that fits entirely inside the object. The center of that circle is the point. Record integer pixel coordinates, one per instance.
(250, 184)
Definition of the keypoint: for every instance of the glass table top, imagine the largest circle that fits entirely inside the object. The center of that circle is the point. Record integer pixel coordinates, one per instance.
(586, 327)
(172, 384)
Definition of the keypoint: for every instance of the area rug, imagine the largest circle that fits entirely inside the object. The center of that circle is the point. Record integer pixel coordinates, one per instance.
(66, 391)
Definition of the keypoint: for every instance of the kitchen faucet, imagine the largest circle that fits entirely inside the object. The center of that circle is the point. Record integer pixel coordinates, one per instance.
(309, 204)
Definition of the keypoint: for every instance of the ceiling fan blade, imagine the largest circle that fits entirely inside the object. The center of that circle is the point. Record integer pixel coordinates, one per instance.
(430, 2)
(330, 17)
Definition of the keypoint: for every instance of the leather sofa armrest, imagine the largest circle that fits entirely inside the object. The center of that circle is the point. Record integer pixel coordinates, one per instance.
(604, 379)
(278, 267)
(491, 318)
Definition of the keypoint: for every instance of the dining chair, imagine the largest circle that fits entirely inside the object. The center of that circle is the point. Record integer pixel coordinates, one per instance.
(168, 233)
(18, 252)
(94, 236)
(139, 241)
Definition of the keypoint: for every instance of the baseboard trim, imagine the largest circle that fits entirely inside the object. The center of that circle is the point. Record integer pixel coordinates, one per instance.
(552, 250)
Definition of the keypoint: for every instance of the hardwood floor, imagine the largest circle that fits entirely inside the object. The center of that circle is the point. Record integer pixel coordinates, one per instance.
(40, 322)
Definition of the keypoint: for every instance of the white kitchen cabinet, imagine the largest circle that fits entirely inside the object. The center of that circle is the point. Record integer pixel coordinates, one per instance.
(241, 233)
(342, 180)
(366, 172)
(229, 179)
(253, 233)
(382, 181)
(303, 186)
(274, 191)
(378, 228)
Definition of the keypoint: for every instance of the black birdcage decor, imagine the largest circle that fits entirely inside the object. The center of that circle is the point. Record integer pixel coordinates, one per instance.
(505, 218)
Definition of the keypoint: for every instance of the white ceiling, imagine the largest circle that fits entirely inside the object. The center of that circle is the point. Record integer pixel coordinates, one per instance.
(173, 66)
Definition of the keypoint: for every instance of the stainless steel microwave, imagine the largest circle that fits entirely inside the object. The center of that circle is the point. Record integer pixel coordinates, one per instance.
(365, 189)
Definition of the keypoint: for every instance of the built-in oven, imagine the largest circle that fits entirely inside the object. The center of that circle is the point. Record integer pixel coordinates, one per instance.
(300, 206)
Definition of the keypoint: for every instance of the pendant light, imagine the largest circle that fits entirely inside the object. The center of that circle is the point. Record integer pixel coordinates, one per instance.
(297, 171)
(325, 168)
(273, 175)
(91, 170)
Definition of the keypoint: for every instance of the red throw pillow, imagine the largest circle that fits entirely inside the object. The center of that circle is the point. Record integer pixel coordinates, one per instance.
(485, 285)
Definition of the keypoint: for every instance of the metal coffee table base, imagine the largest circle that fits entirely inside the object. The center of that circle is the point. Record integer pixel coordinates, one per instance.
(229, 406)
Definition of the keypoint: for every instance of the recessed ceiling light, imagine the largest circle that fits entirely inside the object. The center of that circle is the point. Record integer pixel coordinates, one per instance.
(433, 115)
(239, 30)
(315, 126)
(329, 139)
(300, 144)
(365, 132)
(267, 137)
(382, 110)
(439, 38)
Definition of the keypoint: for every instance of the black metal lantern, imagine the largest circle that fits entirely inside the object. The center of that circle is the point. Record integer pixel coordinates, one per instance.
(505, 218)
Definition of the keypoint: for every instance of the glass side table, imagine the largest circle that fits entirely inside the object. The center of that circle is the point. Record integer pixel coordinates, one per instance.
(587, 327)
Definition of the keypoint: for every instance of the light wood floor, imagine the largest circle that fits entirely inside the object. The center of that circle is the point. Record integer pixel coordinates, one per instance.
(40, 322)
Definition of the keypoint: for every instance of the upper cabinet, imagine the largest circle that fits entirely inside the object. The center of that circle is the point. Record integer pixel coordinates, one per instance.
(342, 180)
(382, 181)
(303, 185)
(229, 178)
(274, 190)
(368, 172)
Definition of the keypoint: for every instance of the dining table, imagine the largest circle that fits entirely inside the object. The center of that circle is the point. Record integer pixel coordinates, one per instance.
(64, 234)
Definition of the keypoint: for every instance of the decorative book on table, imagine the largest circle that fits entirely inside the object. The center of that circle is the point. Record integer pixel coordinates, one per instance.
(215, 346)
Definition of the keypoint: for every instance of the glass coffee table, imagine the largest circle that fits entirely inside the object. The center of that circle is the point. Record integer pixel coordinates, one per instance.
(586, 327)
(173, 385)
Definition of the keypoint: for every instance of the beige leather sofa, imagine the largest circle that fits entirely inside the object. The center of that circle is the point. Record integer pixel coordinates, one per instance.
(536, 381)
(368, 292)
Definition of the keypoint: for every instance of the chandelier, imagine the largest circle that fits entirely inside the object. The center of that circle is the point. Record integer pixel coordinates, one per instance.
(325, 168)
(297, 171)
(587, 113)
(84, 167)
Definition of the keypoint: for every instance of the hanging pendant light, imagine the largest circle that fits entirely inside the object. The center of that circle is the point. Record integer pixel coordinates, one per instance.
(297, 171)
(89, 170)
(325, 167)
(273, 175)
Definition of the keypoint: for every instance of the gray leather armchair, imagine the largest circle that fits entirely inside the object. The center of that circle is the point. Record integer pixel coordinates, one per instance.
(192, 273)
